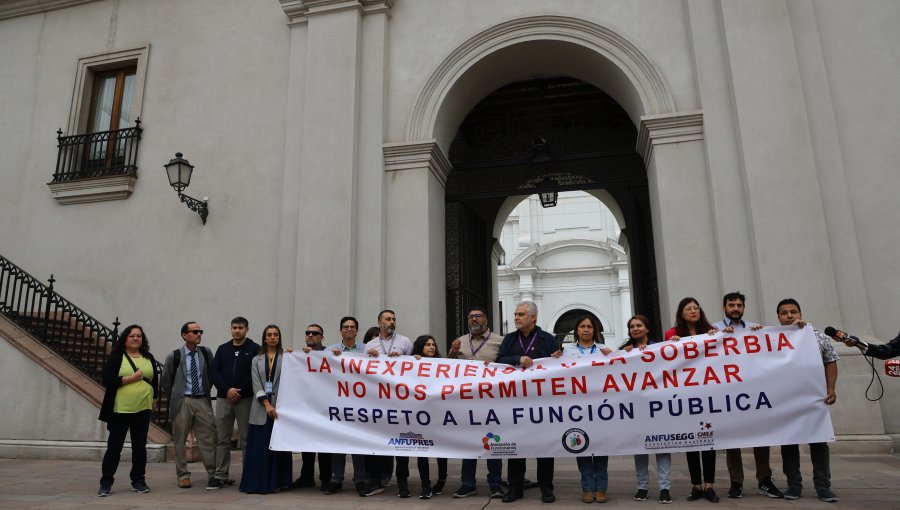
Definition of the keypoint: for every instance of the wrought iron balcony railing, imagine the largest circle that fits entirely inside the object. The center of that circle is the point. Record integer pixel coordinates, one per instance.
(68, 330)
(101, 154)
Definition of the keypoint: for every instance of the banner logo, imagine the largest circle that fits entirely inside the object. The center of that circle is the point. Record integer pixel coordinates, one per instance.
(575, 440)
(408, 441)
(491, 442)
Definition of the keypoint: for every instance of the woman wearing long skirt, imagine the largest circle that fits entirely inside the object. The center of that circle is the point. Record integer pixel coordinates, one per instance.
(265, 470)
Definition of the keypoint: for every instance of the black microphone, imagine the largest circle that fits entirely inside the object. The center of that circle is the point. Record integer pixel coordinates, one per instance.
(840, 336)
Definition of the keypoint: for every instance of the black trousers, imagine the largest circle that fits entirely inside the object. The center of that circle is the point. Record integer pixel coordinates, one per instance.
(709, 466)
(821, 462)
(308, 468)
(515, 469)
(119, 425)
(425, 473)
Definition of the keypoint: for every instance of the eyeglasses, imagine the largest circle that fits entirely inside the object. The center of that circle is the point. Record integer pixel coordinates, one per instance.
(313, 333)
(349, 326)
(476, 315)
(196, 331)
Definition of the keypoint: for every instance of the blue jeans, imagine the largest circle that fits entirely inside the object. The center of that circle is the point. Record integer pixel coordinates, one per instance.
(594, 477)
(339, 462)
(494, 477)
(663, 468)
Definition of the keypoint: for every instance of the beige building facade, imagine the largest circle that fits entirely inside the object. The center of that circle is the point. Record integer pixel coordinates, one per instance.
(344, 149)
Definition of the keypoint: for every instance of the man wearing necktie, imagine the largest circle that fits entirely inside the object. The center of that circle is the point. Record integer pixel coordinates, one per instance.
(186, 379)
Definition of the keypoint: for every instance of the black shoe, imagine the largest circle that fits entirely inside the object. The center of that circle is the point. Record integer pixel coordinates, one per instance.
(214, 484)
(331, 488)
(371, 491)
(140, 486)
(425, 494)
(640, 495)
(104, 491)
(438, 488)
(402, 489)
(301, 484)
(496, 492)
(512, 494)
(736, 491)
(711, 495)
(767, 488)
(696, 493)
(547, 495)
(464, 492)
(359, 486)
(792, 493)
(664, 497)
(826, 495)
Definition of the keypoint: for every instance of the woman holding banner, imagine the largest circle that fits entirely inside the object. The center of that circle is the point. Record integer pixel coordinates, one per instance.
(639, 338)
(689, 321)
(265, 470)
(426, 347)
(593, 469)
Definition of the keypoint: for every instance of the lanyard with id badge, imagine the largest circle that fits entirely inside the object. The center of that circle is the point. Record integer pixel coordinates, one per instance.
(270, 374)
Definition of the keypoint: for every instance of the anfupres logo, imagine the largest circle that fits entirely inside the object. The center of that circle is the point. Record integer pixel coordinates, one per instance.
(486, 440)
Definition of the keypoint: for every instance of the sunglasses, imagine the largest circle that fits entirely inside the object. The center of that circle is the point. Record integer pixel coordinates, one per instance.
(196, 331)
(312, 333)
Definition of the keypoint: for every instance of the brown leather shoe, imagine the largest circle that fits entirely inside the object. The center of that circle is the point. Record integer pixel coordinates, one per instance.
(185, 483)
(601, 497)
(587, 497)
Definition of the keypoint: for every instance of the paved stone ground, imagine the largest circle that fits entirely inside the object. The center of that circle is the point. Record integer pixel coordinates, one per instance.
(869, 481)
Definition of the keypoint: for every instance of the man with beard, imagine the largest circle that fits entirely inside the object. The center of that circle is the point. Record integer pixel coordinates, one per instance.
(483, 345)
(520, 348)
(230, 372)
(733, 304)
(314, 335)
(378, 467)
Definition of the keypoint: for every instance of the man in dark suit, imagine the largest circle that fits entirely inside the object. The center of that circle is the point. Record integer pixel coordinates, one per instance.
(520, 348)
(187, 381)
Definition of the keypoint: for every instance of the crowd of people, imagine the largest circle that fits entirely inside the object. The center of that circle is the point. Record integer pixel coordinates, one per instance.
(246, 376)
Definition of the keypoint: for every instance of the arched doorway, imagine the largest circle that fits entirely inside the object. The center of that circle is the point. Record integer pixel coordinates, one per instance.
(544, 134)
(564, 328)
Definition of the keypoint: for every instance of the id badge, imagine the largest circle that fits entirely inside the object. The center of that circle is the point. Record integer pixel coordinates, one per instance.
(269, 387)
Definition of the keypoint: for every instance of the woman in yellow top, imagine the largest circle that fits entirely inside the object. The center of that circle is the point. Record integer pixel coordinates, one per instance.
(131, 382)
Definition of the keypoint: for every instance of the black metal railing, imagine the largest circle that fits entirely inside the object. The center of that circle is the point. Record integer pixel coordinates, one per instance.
(69, 331)
(101, 154)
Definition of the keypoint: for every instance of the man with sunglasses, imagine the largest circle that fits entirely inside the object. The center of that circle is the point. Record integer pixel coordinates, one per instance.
(187, 380)
(314, 335)
(480, 344)
(230, 373)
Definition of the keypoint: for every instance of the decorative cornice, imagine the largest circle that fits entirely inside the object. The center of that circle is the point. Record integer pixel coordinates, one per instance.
(417, 155)
(17, 8)
(299, 11)
(668, 128)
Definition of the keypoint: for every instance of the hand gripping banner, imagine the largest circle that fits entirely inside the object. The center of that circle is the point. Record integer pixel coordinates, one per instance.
(748, 388)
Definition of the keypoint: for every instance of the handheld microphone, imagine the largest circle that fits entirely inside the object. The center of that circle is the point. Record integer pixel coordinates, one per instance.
(842, 337)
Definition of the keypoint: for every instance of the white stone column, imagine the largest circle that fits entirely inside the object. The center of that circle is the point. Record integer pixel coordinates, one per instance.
(414, 236)
(335, 103)
(624, 300)
(683, 229)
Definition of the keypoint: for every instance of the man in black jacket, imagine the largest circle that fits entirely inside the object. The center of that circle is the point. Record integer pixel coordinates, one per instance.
(520, 348)
(230, 372)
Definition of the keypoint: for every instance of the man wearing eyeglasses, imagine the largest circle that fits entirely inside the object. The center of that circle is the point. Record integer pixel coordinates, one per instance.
(187, 381)
(314, 335)
(480, 344)
(348, 343)
(230, 372)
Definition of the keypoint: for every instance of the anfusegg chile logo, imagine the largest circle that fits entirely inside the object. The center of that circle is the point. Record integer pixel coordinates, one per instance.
(575, 440)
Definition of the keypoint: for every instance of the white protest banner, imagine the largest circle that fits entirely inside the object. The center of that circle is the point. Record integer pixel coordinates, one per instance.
(749, 388)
